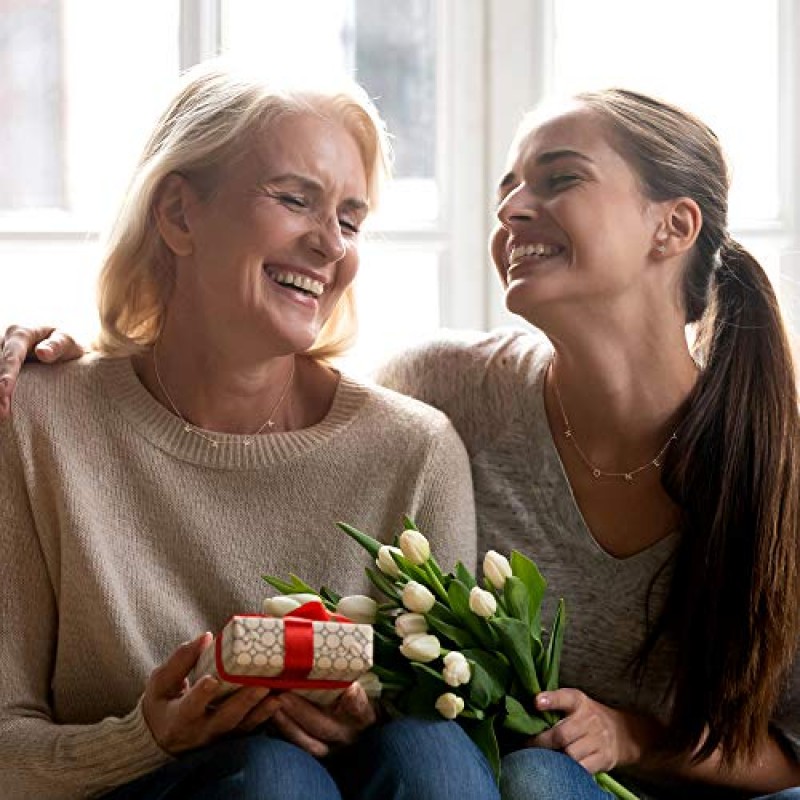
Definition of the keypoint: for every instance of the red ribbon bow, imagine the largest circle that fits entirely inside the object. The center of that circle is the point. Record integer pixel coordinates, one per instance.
(298, 633)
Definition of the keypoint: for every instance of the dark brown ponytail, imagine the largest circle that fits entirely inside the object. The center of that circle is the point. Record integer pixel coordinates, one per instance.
(733, 608)
(734, 605)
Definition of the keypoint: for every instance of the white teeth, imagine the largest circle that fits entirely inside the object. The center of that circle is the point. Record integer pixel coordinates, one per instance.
(300, 281)
(525, 250)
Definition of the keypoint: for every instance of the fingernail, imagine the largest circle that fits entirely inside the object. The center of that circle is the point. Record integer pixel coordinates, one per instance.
(542, 700)
(210, 683)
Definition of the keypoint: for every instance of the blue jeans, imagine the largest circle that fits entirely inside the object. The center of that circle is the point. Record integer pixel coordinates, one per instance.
(539, 774)
(408, 759)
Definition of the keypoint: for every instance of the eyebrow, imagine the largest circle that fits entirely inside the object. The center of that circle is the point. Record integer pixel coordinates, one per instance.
(354, 204)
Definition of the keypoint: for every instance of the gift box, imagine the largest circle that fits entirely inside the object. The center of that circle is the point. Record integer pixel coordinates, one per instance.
(310, 651)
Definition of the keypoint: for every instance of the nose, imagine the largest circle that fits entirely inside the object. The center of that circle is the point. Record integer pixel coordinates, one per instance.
(328, 239)
(518, 205)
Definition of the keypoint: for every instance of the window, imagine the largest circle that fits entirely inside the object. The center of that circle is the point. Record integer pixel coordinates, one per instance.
(452, 77)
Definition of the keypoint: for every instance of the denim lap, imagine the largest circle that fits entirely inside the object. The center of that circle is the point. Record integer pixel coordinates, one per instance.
(539, 774)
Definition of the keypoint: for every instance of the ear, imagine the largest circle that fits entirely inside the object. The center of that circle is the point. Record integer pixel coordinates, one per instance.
(173, 199)
(680, 227)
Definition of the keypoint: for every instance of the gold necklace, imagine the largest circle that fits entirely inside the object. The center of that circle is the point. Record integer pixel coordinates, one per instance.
(193, 429)
(596, 471)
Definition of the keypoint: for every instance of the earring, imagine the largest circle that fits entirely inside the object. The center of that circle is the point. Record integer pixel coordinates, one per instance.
(661, 248)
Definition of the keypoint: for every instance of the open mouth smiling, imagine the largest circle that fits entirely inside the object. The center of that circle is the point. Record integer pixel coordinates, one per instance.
(536, 250)
(299, 283)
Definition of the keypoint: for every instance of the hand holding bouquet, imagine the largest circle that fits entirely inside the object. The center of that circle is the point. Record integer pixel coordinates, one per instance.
(445, 645)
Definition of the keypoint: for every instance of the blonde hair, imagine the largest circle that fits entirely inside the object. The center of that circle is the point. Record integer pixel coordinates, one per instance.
(207, 126)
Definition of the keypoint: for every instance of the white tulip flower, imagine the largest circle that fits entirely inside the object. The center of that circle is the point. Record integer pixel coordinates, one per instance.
(386, 564)
(371, 684)
(481, 602)
(279, 606)
(359, 608)
(415, 547)
(304, 598)
(496, 568)
(417, 598)
(421, 647)
(406, 624)
(456, 669)
(449, 705)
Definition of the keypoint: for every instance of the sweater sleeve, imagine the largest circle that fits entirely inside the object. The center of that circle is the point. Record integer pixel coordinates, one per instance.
(39, 757)
(445, 510)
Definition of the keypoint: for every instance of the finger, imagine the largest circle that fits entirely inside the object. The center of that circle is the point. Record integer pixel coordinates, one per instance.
(168, 679)
(19, 342)
(197, 699)
(232, 711)
(59, 346)
(354, 704)
(582, 749)
(595, 763)
(318, 723)
(260, 714)
(564, 700)
(295, 734)
(561, 735)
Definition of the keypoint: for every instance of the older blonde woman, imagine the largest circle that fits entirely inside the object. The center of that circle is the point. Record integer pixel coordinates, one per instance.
(148, 486)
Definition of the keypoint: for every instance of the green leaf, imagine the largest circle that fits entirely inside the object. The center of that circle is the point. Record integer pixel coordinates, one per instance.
(484, 736)
(414, 572)
(383, 584)
(518, 645)
(330, 596)
(464, 575)
(459, 636)
(517, 600)
(367, 542)
(552, 660)
(524, 569)
(429, 672)
(519, 720)
(294, 585)
(489, 678)
(409, 524)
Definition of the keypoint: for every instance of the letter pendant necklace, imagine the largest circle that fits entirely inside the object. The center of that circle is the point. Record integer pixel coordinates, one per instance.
(569, 435)
(194, 430)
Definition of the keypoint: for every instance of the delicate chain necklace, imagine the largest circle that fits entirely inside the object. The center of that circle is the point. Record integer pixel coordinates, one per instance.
(193, 429)
(596, 471)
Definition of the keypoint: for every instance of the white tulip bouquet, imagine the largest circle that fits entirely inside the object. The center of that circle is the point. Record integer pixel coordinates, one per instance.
(447, 646)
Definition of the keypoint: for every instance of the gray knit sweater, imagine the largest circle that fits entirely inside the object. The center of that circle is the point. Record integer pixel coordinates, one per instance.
(122, 536)
(491, 387)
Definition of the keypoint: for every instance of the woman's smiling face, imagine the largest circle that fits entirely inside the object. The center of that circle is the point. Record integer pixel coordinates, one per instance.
(573, 224)
(275, 244)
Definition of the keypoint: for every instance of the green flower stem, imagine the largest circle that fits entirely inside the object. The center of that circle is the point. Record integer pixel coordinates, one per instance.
(435, 582)
(605, 781)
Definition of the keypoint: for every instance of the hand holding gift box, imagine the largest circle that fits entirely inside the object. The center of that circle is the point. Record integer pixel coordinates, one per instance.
(305, 649)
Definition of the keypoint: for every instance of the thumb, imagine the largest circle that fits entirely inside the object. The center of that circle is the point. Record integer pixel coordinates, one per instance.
(169, 679)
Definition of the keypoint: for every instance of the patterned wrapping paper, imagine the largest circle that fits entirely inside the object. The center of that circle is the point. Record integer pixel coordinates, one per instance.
(317, 658)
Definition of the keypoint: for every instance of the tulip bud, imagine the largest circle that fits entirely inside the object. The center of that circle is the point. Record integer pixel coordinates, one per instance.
(279, 606)
(406, 624)
(415, 547)
(449, 705)
(386, 564)
(420, 647)
(371, 684)
(496, 568)
(304, 598)
(456, 669)
(417, 598)
(481, 602)
(359, 608)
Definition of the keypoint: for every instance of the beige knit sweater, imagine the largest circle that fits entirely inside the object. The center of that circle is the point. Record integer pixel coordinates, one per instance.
(121, 536)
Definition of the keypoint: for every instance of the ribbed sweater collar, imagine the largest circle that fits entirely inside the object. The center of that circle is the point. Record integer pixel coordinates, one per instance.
(166, 431)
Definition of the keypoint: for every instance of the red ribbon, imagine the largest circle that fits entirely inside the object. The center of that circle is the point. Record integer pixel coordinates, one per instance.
(298, 632)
